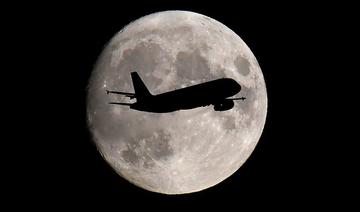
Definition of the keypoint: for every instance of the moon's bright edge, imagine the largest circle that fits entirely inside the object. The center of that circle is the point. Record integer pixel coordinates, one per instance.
(183, 151)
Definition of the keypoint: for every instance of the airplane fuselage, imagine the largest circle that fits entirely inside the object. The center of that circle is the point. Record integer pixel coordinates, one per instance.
(212, 92)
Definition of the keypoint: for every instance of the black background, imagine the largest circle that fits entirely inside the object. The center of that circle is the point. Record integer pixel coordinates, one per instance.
(296, 162)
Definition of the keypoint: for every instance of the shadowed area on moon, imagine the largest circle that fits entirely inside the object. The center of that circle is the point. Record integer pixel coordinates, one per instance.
(157, 146)
(189, 64)
(242, 65)
(184, 151)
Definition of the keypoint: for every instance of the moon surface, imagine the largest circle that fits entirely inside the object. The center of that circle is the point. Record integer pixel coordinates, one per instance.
(187, 150)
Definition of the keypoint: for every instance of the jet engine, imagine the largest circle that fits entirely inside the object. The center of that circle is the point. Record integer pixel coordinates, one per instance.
(227, 104)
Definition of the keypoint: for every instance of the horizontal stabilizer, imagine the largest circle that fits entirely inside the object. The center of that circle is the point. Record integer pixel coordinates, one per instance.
(238, 98)
(120, 103)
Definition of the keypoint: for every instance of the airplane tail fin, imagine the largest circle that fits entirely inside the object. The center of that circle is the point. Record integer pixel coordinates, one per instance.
(141, 91)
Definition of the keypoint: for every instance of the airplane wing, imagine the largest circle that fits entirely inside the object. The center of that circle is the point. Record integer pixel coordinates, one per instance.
(131, 95)
(120, 103)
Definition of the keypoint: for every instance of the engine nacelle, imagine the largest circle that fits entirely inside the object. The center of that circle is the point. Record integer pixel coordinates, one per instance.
(227, 104)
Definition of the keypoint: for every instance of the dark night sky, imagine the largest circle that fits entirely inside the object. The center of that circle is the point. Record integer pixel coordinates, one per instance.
(292, 164)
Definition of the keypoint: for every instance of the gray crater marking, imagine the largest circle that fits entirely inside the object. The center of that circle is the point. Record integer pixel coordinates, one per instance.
(156, 147)
(242, 65)
(130, 156)
(192, 66)
(144, 58)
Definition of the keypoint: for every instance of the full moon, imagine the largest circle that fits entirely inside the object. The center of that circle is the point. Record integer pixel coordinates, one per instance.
(187, 150)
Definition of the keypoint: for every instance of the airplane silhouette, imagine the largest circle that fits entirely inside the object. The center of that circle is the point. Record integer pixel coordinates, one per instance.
(214, 93)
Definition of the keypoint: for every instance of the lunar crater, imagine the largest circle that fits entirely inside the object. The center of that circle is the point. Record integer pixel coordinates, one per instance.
(192, 66)
(242, 65)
